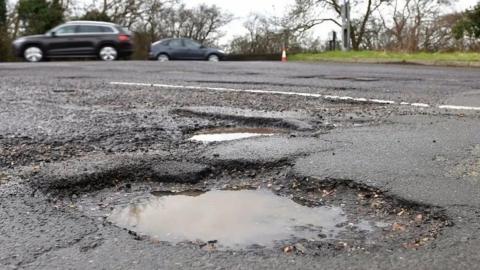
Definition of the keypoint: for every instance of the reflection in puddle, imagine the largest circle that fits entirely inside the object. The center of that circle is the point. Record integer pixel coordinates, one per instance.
(230, 134)
(236, 219)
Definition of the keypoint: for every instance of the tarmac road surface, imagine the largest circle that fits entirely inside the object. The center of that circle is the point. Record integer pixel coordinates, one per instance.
(78, 139)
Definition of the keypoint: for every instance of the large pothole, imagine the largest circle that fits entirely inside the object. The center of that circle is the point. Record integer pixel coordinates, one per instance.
(263, 210)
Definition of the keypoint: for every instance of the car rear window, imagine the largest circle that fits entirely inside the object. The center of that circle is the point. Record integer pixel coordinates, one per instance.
(106, 29)
(123, 30)
(191, 44)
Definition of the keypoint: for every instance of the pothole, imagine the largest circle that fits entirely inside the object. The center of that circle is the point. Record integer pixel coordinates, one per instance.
(232, 219)
(262, 210)
(231, 134)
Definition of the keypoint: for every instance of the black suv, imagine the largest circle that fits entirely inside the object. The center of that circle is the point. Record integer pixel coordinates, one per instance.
(107, 41)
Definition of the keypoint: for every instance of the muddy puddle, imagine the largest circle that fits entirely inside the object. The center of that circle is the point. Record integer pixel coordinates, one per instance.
(232, 219)
(230, 134)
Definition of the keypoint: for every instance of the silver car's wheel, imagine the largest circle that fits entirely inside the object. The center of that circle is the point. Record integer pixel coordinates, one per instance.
(33, 54)
(213, 58)
(163, 58)
(108, 53)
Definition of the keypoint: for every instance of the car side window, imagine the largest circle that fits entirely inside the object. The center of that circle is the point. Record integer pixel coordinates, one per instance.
(83, 29)
(106, 29)
(66, 30)
(176, 43)
(192, 44)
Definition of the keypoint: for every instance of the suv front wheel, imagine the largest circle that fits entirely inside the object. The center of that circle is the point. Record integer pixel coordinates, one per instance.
(33, 54)
(108, 53)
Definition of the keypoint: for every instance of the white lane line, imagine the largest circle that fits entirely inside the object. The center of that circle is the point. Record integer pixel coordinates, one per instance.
(327, 97)
(381, 101)
(454, 107)
(255, 91)
(423, 105)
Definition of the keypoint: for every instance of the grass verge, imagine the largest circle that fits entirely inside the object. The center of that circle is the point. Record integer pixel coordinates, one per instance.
(454, 58)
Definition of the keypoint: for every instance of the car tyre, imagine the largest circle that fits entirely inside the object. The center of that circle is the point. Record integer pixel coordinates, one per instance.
(163, 57)
(213, 58)
(33, 54)
(108, 53)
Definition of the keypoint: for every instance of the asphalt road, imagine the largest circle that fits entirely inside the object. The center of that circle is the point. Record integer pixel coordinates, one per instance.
(72, 129)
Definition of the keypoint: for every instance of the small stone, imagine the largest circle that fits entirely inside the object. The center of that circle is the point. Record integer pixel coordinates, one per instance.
(322, 235)
(341, 246)
(301, 248)
(398, 227)
(288, 249)
(418, 218)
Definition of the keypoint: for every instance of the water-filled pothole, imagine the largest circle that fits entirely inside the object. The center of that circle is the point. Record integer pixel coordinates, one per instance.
(230, 134)
(234, 219)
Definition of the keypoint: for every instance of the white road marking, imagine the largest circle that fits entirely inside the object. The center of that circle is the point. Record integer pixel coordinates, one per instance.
(454, 107)
(327, 97)
(420, 105)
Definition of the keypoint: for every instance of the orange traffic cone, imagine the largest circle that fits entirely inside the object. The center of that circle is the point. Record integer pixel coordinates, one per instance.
(284, 55)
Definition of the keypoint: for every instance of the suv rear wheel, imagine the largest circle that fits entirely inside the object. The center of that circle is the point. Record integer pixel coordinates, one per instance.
(108, 53)
(33, 54)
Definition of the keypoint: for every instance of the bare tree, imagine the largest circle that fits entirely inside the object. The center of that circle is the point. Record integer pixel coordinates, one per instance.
(305, 15)
(414, 24)
(202, 23)
(266, 35)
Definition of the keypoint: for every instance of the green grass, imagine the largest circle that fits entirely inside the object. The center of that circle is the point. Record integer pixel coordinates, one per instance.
(378, 56)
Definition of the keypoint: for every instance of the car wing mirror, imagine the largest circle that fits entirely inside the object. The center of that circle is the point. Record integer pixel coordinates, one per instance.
(53, 34)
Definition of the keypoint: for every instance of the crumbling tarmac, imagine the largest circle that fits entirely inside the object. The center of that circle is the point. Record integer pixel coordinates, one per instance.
(405, 178)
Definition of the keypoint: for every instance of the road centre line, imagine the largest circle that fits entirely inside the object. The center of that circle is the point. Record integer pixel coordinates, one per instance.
(326, 97)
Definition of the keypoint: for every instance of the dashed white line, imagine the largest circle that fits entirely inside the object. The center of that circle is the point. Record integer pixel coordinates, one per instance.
(381, 101)
(454, 107)
(423, 105)
(327, 97)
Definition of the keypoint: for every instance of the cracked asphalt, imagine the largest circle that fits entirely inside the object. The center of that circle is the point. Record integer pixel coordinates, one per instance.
(73, 145)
